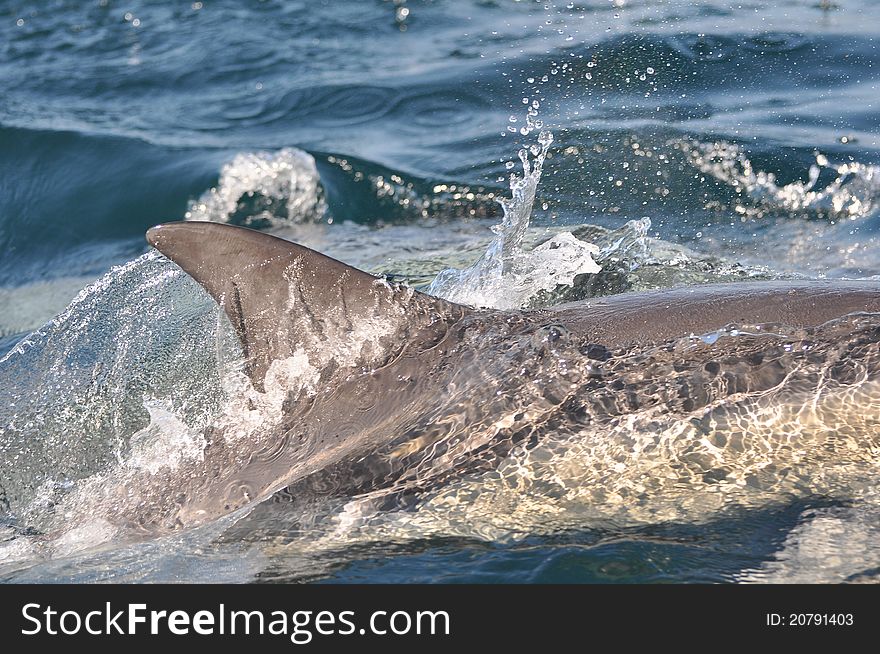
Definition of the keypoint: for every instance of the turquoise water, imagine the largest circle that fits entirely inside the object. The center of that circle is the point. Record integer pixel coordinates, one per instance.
(383, 133)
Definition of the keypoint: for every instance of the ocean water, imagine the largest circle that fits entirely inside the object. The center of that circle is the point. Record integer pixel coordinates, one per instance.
(666, 143)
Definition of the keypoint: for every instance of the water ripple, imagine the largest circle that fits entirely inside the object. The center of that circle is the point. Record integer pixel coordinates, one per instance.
(339, 105)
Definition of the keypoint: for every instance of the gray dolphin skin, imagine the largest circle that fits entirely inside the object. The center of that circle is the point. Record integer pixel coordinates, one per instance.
(397, 389)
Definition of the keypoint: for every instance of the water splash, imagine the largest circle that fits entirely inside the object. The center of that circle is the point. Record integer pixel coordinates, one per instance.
(137, 346)
(854, 193)
(506, 276)
(260, 189)
(134, 380)
(631, 260)
(401, 14)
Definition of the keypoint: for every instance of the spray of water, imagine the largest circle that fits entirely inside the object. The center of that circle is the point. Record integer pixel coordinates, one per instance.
(506, 276)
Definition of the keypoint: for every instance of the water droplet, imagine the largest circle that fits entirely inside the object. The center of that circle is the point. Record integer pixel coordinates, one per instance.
(650, 71)
(530, 80)
(509, 165)
(710, 339)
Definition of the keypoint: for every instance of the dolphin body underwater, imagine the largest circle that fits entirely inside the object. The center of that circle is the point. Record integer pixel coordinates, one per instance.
(368, 411)
(678, 401)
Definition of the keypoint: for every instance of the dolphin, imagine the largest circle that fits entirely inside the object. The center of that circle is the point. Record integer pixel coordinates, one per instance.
(378, 386)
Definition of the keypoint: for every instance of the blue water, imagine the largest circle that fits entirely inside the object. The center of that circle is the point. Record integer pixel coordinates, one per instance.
(117, 115)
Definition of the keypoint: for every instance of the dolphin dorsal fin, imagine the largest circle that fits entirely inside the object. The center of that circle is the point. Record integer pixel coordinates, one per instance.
(286, 300)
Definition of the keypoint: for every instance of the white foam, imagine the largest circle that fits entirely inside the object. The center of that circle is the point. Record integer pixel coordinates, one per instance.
(165, 443)
(287, 179)
(829, 545)
(82, 537)
(248, 412)
(16, 549)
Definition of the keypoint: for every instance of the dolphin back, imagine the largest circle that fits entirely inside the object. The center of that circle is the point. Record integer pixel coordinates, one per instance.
(654, 317)
(286, 300)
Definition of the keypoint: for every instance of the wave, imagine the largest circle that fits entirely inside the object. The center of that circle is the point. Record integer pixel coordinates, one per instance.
(265, 189)
(62, 191)
(853, 193)
(73, 203)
